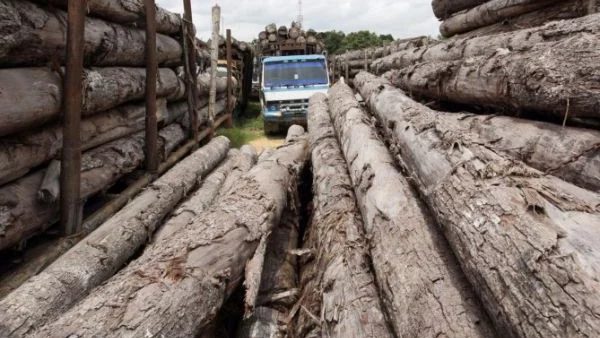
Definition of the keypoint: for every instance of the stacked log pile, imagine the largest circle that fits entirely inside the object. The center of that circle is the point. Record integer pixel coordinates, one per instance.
(468, 18)
(273, 37)
(32, 55)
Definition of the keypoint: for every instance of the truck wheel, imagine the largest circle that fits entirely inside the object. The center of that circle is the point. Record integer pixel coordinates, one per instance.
(271, 128)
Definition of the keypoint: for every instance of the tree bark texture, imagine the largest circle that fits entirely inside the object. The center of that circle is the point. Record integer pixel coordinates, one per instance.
(21, 152)
(246, 161)
(490, 13)
(527, 242)
(95, 259)
(22, 215)
(127, 12)
(559, 11)
(176, 287)
(444, 8)
(423, 289)
(30, 97)
(558, 80)
(338, 286)
(463, 48)
(35, 36)
(277, 280)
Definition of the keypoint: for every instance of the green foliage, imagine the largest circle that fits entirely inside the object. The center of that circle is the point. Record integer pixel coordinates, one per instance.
(337, 42)
(246, 128)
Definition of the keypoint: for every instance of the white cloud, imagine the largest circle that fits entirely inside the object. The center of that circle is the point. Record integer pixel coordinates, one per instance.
(402, 19)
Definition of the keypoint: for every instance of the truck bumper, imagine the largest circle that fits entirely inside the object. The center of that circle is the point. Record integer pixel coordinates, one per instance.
(287, 119)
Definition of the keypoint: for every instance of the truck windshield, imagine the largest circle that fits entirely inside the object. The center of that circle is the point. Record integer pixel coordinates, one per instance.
(295, 73)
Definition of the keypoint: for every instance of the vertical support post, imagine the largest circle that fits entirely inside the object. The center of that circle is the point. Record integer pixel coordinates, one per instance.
(347, 71)
(366, 61)
(70, 178)
(189, 56)
(214, 57)
(151, 148)
(229, 122)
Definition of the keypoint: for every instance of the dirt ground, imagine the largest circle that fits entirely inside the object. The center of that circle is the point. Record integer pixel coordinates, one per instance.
(267, 142)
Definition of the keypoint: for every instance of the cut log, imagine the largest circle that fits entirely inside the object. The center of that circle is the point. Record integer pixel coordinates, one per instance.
(422, 287)
(22, 152)
(201, 199)
(489, 13)
(34, 36)
(276, 280)
(127, 12)
(337, 241)
(103, 89)
(558, 80)
(558, 11)
(527, 242)
(22, 215)
(103, 252)
(459, 49)
(246, 161)
(199, 267)
(444, 8)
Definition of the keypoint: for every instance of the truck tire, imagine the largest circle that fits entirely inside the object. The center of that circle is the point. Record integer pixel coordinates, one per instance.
(271, 128)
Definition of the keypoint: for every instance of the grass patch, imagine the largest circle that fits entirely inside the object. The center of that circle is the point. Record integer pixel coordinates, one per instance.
(246, 128)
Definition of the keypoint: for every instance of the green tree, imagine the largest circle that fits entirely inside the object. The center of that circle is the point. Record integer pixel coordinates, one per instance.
(361, 39)
(333, 41)
(386, 38)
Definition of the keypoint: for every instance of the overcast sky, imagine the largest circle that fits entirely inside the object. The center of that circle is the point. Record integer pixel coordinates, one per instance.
(245, 18)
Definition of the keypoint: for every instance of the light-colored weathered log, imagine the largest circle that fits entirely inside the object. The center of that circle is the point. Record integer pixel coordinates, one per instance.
(103, 252)
(199, 267)
(21, 213)
(527, 242)
(463, 48)
(128, 12)
(338, 285)
(489, 13)
(444, 8)
(35, 36)
(423, 289)
(557, 79)
(246, 161)
(21, 152)
(30, 97)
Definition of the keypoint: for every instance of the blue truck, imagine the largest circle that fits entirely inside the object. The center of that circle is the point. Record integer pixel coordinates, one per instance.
(287, 82)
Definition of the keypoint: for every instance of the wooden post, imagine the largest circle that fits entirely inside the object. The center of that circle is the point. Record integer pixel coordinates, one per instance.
(70, 204)
(366, 61)
(214, 57)
(347, 71)
(229, 121)
(189, 56)
(151, 70)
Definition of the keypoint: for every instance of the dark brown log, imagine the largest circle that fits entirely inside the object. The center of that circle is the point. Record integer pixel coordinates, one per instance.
(556, 79)
(200, 266)
(103, 88)
(23, 215)
(104, 251)
(422, 287)
(34, 36)
(127, 12)
(527, 242)
(22, 152)
(490, 13)
(558, 11)
(444, 8)
(463, 48)
(337, 241)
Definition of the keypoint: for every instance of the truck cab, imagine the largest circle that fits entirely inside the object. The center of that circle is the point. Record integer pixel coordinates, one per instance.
(287, 83)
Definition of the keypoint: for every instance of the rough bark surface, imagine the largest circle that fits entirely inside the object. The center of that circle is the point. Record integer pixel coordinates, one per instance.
(34, 36)
(422, 287)
(201, 199)
(463, 48)
(177, 285)
(557, 79)
(23, 215)
(558, 11)
(444, 8)
(528, 242)
(93, 260)
(488, 13)
(128, 12)
(22, 152)
(30, 97)
(246, 161)
(338, 286)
